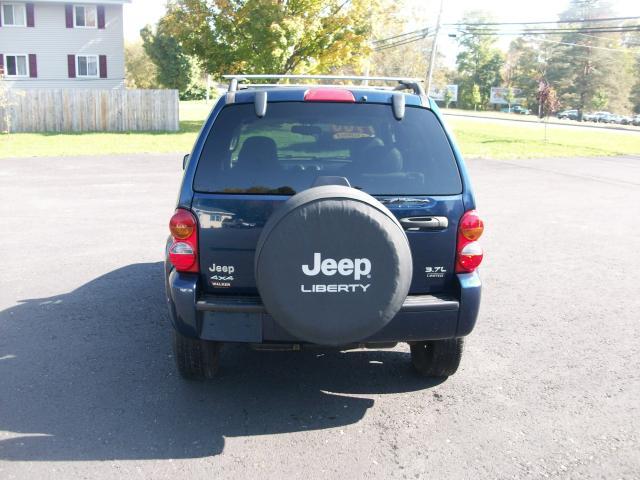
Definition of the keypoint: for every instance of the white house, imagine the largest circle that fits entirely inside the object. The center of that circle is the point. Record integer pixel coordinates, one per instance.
(54, 44)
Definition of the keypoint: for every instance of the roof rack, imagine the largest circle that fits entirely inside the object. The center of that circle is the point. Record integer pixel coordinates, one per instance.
(403, 83)
(307, 85)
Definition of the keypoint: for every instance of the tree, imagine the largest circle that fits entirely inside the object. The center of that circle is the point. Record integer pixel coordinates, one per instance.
(476, 96)
(447, 97)
(173, 67)
(525, 65)
(509, 97)
(389, 21)
(600, 100)
(547, 99)
(634, 96)
(479, 62)
(583, 68)
(140, 71)
(260, 36)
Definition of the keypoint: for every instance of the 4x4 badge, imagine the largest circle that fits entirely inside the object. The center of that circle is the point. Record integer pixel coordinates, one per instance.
(223, 275)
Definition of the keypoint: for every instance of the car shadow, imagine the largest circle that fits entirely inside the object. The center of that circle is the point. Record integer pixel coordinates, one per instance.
(89, 375)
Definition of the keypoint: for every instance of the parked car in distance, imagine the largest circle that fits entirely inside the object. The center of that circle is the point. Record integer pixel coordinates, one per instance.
(615, 118)
(589, 117)
(626, 120)
(636, 120)
(516, 109)
(314, 216)
(568, 115)
(603, 117)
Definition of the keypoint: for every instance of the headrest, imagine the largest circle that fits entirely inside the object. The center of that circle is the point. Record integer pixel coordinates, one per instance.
(258, 153)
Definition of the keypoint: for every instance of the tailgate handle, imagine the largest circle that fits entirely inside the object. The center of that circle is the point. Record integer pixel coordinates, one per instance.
(424, 223)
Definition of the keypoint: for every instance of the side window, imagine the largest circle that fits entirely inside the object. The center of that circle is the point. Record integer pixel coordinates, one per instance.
(16, 65)
(87, 65)
(85, 16)
(14, 15)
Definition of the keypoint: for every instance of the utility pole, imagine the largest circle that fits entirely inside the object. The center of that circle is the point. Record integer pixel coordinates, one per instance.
(434, 47)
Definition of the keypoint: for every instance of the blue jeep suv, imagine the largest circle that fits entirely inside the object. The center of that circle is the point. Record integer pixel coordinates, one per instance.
(323, 215)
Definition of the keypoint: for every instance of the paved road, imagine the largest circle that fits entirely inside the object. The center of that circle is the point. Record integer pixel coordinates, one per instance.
(549, 386)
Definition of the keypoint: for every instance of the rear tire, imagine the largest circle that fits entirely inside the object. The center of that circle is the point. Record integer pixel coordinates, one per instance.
(196, 359)
(437, 358)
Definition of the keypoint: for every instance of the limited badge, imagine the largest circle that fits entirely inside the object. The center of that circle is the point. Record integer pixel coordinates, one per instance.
(435, 272)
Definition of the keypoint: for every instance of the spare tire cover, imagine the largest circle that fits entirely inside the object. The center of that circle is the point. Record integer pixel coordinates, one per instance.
(333, 265)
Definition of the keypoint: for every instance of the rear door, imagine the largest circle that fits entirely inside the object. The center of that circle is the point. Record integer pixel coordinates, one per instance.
(250, 165)
(431, 224)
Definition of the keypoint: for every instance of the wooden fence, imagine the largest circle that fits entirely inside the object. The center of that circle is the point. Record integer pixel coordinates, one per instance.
(71, 110)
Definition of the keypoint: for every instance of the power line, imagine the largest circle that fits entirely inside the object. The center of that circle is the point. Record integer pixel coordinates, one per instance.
(417, 35)
(590, 36)
(623, 50)
(400, 43)
(634, 28)
(422, 30)
(560, 29)
(575, 20)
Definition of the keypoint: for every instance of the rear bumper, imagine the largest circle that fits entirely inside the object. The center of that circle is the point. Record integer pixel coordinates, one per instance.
(244, 319)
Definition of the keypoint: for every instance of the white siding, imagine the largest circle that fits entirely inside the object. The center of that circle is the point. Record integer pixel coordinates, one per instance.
(51, 41)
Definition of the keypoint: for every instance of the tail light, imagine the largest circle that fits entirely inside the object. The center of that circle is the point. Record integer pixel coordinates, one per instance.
(469, 252)
(183, 252)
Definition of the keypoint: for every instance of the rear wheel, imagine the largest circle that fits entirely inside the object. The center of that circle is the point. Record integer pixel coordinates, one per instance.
(437, 358)
(196, 359)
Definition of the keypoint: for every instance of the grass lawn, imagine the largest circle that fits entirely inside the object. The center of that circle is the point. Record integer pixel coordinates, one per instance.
(192, 114)
(476, 138)
(531, 118)
(500, 140)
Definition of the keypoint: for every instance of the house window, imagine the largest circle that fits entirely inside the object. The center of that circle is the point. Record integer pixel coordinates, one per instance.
(16, 65)
(87, 65)
(85, 16)
(14, 15)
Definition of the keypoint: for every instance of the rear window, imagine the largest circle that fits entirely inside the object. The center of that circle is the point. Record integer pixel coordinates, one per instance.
(295, 143)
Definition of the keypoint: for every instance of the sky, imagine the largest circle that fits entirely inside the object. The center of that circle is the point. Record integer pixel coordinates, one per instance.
(139, 13)
(510, 11)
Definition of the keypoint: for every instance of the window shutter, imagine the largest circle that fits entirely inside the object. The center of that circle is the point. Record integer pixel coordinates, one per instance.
(30, 15)
(100, 10)
(71, 65)
(33, 66)
(68, 14)
(103, 66)
(1, 64)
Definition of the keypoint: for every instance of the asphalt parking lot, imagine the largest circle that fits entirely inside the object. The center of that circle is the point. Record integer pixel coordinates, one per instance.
(548, 387)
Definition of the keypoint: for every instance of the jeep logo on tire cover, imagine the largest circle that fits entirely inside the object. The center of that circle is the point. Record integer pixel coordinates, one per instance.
(333, 265)
(359, 268)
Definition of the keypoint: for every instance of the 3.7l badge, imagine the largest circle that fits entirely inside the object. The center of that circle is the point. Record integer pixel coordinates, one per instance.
(435, 272)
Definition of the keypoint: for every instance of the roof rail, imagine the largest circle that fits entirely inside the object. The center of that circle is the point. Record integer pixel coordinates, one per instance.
(403, 83)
